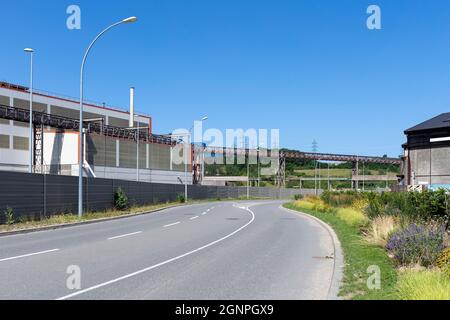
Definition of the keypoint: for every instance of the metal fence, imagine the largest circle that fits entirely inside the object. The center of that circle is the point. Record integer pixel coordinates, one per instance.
(37, 195)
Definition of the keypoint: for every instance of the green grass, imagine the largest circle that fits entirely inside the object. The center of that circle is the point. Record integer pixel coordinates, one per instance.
(359, 256)
(423, 285)
(61, 219)
(352, 216)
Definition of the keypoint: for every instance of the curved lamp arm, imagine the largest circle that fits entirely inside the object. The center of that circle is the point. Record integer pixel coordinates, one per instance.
(81, 144)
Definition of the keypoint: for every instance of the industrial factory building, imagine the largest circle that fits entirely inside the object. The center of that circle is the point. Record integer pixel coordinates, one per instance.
(111, 147)
(426, 160)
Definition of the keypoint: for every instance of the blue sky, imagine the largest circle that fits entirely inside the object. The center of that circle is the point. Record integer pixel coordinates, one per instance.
(310, 68)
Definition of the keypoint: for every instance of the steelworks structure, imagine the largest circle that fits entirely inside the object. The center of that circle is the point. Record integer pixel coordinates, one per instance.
(96, 126)
(281, 156)
(111, 148)
(49, 114)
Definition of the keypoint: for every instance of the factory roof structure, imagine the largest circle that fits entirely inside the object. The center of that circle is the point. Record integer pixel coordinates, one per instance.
(439, 122)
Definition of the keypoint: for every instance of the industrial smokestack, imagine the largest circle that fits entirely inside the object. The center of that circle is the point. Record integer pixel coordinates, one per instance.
(131, 107)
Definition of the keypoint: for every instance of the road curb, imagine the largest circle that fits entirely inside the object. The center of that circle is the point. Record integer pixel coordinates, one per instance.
(338, 272)
(82, 223)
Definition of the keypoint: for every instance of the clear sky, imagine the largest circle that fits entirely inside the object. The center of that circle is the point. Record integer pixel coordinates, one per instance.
(309, 68)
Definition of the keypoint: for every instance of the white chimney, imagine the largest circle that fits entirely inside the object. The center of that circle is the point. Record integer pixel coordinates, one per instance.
(131, 107)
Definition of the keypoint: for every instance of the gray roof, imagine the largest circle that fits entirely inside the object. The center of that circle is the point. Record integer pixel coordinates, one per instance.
(441, 121)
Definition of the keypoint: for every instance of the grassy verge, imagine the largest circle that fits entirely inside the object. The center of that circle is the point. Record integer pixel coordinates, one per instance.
(359, 256)
(62, 219)
(423, 285)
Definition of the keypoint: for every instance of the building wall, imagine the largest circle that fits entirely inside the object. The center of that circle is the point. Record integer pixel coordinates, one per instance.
(119, 158)
(431, 166)
(4, 100)
(13, 136)
(145, 175)
(106, 156)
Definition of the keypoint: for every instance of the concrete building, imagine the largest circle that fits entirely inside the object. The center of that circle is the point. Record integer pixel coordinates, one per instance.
(107, 157)
(426, 159)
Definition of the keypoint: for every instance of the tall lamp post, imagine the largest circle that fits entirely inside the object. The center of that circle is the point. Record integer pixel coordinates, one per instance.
(81, 142)
(185, 138)
(203, 149)
(259, 166)
(138, 136)
(30, 140)
(248, 174)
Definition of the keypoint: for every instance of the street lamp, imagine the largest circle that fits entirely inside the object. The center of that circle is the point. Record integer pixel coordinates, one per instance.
(185, 138)
(30, 140)
(81, 155)
(138, 137)
(248, 174)
(182, 137)
(203, 149)
(258, 151)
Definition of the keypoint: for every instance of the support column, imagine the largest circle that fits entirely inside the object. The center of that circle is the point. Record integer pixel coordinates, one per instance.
(281, 174)
(355, 173)
(38, 160)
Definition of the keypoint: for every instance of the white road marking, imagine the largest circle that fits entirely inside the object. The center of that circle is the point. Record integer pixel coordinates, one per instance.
(193, 218)
(28, 255)
(204, 213)
(172, 224)
(104, 284)
(125, 235)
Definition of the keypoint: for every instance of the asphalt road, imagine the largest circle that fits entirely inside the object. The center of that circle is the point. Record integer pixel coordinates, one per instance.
(241, 251)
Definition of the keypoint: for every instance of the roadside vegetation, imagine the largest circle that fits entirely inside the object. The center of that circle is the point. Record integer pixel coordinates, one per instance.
(14, 221)
(61, 219)
(405, 235)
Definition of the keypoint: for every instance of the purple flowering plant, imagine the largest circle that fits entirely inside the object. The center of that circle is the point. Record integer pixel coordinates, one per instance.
(417, 244)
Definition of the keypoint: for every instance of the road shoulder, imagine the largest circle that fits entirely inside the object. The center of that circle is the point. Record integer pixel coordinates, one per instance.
(338, 272)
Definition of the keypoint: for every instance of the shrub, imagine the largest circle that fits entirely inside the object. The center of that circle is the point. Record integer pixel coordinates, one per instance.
(421, 206)
(319, 204)
(443, 261)
(360, 204)
(181, 198)
(303, 204)
(298, 197)
(341, 199)
(423, 285)
(9, 216)
(352, 217)
(120, 199)
(416, 245)
(380, 229)
(375, 207)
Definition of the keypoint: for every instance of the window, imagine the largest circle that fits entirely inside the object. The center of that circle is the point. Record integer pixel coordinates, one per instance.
(4, 141)
(4, 101)
(116, 122)
(20, 143)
